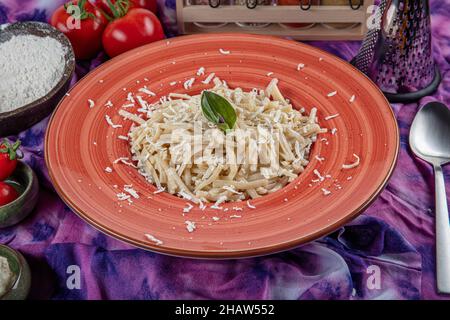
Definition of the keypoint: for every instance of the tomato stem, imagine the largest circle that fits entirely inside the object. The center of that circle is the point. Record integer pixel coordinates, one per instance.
(11, 150)
(119, 8)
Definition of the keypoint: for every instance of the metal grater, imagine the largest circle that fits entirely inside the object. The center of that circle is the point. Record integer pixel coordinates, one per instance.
(396, 53)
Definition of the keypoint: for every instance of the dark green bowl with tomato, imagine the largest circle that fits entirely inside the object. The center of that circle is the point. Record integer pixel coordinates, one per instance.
(20, 284)
(25, 182)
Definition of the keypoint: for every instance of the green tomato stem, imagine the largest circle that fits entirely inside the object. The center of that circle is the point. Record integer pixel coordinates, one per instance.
(11, 150)
(119, 9)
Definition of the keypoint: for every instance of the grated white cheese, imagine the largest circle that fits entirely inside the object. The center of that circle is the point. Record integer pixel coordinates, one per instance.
(153, 239)
(120, 159)
(188, 83)
(120, 137)
(129, 189)
(159, 190)
(219, 202)
(190, 226)
(147, 91)
(131, 98)
(130, 116)
(352, 99)
(318, 158)
(209, 78)
(201, 71)
(352, 165)
(326, 192)
(332, 94)
(125, 161)
(188, 208)
(123, 196)
(173, 83)
(109, 104)
(201, 205)
(216, 218)
(110, 122)
(333, 131)
(332, 116)
(142, 102)
(91, 103)
(317, 173)
(250, 205)
(300, 66)
(222, 51)
(269, 74)
(108, 169)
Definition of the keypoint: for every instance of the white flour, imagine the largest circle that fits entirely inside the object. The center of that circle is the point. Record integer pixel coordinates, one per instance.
(30, 67)
(6, 276)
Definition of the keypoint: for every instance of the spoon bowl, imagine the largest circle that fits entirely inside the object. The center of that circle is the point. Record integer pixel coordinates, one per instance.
(430, 134)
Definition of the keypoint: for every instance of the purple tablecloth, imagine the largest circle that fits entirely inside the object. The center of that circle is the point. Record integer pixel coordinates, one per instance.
(386, 253)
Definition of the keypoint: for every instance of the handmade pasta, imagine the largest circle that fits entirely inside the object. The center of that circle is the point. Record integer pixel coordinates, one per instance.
(178, 150)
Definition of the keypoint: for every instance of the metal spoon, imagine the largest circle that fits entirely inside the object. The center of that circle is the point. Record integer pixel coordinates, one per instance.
(429, 139)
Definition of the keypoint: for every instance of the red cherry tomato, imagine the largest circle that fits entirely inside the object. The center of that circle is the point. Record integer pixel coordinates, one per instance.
(85, 34)
(7, 194)
(146, 4)
(8, 158)
(136, 28)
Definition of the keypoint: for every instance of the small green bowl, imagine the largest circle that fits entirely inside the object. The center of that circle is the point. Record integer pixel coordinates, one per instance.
(26, 183)
(20, 287)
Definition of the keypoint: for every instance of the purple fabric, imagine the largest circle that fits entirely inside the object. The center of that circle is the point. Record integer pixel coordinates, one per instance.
(396, 234)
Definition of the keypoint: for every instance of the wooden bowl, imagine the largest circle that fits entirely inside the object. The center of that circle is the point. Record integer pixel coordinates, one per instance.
(27, 184)
(20, 286)
(17, 120)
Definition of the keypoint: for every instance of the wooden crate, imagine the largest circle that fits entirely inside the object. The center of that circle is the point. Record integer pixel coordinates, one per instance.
(188, 15)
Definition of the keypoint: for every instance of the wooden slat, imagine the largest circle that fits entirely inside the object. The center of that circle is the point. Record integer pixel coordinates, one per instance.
(318, 32)
(367, 4)
(200, 13)
(180, 18)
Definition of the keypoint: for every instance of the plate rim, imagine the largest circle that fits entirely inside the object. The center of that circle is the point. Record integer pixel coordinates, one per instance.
(229, 254)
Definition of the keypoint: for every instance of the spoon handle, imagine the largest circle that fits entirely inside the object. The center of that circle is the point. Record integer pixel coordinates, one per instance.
(442, 234)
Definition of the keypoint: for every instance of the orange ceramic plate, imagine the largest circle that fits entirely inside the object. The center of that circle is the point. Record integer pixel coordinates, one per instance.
(80, 145)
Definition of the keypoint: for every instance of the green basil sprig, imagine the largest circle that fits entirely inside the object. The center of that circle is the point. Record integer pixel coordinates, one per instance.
(218, 110)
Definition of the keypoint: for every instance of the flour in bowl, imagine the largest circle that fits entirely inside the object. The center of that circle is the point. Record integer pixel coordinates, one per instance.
(31, 67)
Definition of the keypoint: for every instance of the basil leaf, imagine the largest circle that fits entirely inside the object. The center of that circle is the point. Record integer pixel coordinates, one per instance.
(218, 110)
(208, 112)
